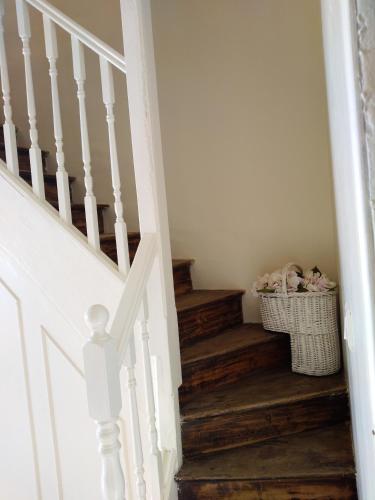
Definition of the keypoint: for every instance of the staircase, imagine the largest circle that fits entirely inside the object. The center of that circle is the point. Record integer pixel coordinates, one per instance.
(251, 429)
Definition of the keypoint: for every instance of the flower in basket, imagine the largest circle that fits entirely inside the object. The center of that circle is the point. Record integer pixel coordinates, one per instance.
(312, 280)
(315, 281)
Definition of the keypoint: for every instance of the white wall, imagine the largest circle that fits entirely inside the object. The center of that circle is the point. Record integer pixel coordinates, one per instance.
(244, 125)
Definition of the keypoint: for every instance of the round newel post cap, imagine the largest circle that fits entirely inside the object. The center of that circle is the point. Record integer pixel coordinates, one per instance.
(96, 319)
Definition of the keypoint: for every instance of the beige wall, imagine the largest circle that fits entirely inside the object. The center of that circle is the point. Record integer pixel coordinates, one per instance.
(244, 125)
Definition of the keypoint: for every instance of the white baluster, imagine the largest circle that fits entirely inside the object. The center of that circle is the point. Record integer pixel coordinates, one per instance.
(9, 129)
(156, 461)
(102, 365)
(62, 178)
(120, 225)
(129, 363)
(35, 152)
(90, 200)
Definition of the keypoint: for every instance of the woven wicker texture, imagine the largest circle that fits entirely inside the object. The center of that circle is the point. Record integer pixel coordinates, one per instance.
(311, 320)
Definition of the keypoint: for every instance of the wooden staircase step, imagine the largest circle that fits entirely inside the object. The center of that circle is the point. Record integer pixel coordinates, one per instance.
(182, 276)
(50, 184)
(231, 355)
(79, 215)
(23, 156)
(263, 406)
(108, 244)
(204, 313)
(313, 465)
(181, 267)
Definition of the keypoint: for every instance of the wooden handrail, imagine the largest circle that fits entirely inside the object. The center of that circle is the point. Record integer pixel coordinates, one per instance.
(133, 294)
(91, 41)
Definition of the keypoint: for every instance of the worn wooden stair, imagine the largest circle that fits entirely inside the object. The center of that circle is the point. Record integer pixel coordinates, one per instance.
(313, 465)
(251, 429)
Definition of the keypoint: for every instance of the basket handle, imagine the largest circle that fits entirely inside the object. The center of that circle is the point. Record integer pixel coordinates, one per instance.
(284, 274)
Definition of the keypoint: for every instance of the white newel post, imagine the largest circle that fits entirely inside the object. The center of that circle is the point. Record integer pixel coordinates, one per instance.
(9, 129)
(102, 365)
(153, 216)
(36, 164)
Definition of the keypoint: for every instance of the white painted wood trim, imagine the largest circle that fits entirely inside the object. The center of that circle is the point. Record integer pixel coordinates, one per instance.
(102, 376)
(152, 204)
(62, 178)
(87, 277)
(87, 38)
(9, 128)
(24, 32)
(357, 257)
(132, 295)
(79, 71)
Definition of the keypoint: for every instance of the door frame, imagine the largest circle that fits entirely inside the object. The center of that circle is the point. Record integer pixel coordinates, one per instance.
(355, 227)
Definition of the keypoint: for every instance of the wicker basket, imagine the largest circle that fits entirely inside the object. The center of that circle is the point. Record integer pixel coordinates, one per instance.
(311, 320)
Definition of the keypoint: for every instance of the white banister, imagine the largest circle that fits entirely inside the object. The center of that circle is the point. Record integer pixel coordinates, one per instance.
(152, 208)
(121, 231)
(79, 71)
(35, 152)
(102, 365)
(9, 130)
(129, 363)
(134, 289)
(91, 41)
(62, 178)
(156, 460)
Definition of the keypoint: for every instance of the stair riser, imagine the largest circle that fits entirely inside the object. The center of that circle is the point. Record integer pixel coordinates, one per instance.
(182, 280)
(230, 367)
(79, 220)
(181, 275)
(50, 187)
(109, 248)
(209, 319)
(321, 489)
(23, 157)
(245, 427)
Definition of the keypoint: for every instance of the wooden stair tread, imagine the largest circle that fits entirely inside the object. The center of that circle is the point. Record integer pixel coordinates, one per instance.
(182, 262)
(112, 237)
(322, 453)
(198, 298)
(47, 177)
(260, 390)
(80, 206)
(231, 339)
(25, 150)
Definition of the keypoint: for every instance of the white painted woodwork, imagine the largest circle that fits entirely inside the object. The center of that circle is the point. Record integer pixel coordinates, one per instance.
(102, 365)
(63, 462)
(156, 459)
(120, 225)
(353, 209)
(129, 363)
(24, 32)
(152, 206)
(55, 255)
(89, 39)
(133, 291)
(9, 129)
(18, 440)
(62, 177)
(56, 276)
(79, 70)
